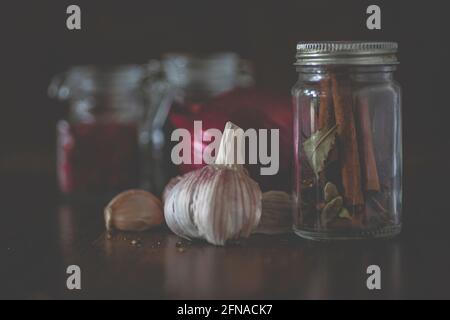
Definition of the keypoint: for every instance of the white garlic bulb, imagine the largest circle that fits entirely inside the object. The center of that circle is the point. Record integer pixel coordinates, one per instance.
(133, 210)
(215, 203)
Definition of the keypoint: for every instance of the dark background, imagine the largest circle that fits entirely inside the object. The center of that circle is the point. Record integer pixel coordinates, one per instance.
(35, 45)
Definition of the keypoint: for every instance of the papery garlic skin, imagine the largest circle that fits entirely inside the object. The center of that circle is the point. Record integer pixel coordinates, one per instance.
(216, 203)
(168, 188)
(133, 210)
(276, 216)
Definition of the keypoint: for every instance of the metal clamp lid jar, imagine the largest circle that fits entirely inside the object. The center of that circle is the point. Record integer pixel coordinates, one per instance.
(347, 134)
(97, 139)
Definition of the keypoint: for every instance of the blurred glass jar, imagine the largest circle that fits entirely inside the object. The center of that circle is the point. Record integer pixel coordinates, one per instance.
(201, 77)
(179, 85)
(97, 141)
(347, 140)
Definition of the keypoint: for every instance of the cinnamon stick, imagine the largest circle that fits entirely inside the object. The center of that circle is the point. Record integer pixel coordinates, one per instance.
(367, 155)
(349, 156)
(325, 109)
(326, 119)
(304, 117)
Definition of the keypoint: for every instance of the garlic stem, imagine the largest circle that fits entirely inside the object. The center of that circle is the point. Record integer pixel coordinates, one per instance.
(231, 151)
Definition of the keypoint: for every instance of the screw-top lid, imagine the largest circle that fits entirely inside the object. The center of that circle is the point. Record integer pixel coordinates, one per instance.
(346, 52)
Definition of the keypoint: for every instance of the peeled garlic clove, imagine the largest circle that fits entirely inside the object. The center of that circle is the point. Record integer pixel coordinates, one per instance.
(276, 216)
(216, 203)
(133, 210)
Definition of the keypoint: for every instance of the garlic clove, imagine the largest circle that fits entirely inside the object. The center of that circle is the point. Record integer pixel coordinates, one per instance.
(133, 210)
(172, 183)
(235, 209)
(177, 205)
(276, 216)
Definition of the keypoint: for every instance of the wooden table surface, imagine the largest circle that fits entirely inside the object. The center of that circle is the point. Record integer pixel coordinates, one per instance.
(42, 236)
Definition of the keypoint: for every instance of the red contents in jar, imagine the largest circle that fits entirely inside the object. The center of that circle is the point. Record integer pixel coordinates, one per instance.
(97, 157)
(247, 108)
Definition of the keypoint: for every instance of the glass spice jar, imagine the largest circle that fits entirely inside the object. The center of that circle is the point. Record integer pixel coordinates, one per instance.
(347, 141)
(97, 140)
(180, 89)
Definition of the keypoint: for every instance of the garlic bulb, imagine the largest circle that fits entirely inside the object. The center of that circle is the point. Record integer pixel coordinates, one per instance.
(217, 202)
(276, 217)
(134, 210)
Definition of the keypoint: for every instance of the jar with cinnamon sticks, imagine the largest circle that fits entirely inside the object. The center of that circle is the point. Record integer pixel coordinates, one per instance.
(347, 141)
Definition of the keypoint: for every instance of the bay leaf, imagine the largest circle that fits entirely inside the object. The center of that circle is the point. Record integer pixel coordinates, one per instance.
(318, 146)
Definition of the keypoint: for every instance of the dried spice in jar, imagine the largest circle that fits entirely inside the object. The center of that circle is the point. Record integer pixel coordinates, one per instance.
(347, 141)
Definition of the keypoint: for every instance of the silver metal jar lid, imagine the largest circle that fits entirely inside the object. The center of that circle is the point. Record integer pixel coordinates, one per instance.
(346, 53)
